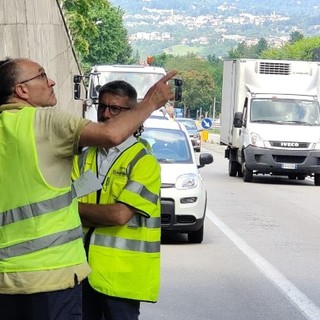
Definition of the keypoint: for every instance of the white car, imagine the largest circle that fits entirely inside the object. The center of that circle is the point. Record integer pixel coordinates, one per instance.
(183, 194)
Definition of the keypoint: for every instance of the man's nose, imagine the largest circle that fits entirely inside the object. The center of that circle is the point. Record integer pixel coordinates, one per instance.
(51, 83)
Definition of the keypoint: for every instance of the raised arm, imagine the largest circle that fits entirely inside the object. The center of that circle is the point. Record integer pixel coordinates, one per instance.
(118, 129)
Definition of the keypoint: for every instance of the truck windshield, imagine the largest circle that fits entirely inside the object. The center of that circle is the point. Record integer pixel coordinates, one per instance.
(139, 80)
(286, 111)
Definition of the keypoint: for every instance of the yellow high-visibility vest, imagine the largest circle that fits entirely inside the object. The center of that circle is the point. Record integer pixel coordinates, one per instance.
(40, 228)
(125, 260)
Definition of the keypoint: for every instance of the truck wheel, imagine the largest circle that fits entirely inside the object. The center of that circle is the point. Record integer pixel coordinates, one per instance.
(247, 173)
(317, 179)
(196, 236)
(240, 173)
(233, 168)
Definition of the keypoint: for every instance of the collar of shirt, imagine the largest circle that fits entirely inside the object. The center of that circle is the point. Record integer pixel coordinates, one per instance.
(105, 158)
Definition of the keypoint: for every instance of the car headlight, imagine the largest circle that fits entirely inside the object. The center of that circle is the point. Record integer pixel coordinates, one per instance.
(196, 135)
(256, 140)
(316, 146)
(187, 181)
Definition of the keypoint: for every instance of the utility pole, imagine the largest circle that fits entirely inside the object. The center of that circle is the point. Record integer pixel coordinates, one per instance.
(99, 24)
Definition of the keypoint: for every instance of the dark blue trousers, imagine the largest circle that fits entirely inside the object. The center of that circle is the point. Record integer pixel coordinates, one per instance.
(55, 305)
(97, 306)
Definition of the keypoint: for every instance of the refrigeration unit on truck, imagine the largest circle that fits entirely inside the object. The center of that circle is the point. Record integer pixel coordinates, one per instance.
(270, 118)
(139, 76)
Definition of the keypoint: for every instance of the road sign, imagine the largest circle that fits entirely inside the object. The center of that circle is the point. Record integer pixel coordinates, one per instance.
(206, 123)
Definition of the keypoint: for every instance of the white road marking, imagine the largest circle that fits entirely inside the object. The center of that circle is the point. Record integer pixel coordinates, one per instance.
(307, 307)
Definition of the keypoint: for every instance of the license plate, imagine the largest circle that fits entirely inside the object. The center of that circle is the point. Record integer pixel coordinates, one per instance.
(290, 166)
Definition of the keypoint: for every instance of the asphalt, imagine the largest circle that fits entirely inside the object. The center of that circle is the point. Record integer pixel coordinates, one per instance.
(213, 143)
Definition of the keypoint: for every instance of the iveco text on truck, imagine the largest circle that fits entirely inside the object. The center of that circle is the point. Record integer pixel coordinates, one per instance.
(270, 118)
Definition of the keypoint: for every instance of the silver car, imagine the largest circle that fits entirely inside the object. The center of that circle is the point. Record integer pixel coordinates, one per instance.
(194, 132)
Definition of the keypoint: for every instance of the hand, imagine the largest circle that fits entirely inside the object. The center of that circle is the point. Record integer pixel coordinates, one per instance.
(160, 92)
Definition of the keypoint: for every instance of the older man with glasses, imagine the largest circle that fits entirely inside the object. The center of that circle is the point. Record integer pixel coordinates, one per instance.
(42, 260)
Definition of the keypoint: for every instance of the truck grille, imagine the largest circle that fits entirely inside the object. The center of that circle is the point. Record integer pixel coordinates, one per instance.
(288, 159)
(277, 68)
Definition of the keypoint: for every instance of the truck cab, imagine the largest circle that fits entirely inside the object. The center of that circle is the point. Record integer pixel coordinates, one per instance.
(271, 118)
(141, 77)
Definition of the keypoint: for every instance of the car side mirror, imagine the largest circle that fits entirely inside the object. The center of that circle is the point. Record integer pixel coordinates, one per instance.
(205, 158)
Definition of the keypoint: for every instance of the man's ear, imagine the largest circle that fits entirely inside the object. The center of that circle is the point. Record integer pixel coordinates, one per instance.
(22, 91)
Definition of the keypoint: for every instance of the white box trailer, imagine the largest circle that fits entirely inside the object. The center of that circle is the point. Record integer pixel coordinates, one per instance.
(270, 118)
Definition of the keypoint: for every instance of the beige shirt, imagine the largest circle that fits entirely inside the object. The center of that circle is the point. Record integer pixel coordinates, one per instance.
(57, 135)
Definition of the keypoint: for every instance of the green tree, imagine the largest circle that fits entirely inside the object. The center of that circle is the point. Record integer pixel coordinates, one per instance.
(261, 46)
(98, 32)
(161, 60)
(198, 90)
(217, 75)
(295, 36)
(242, 50)
(82, 29)
(305, 49)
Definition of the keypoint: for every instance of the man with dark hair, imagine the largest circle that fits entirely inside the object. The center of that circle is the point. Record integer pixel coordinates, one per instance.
(123, 242)
(42, 261)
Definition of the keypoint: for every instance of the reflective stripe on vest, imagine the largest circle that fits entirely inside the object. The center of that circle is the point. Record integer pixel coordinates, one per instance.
(139, 221)
(138, 188)
(36, 209)
(137, 157)
(125, 244)
(41, 243)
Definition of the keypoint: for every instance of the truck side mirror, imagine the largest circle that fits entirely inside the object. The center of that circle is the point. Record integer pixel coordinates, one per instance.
(178, 90)
(237, 120)
(76, 87)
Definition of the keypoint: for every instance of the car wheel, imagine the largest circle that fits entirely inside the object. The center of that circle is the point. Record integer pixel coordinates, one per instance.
(196, 236)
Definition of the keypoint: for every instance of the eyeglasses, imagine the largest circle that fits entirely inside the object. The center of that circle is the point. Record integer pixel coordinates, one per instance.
(41, 76)
(113, 109)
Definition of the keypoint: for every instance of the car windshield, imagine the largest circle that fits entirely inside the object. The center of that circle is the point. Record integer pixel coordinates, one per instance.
(168, 145)
(189, 124)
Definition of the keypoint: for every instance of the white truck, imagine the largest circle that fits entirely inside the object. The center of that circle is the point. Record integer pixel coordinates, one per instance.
(270, 118)
(139, 76)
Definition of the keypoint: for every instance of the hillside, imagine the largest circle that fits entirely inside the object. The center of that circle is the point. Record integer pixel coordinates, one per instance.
(212, 27)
